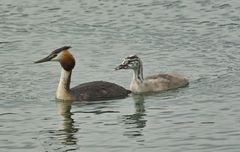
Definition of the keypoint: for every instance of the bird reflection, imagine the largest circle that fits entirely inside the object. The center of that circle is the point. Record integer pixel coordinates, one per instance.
(134, 123)
(64, 109)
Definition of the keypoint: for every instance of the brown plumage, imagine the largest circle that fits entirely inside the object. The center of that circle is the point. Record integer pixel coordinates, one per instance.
(67, 61)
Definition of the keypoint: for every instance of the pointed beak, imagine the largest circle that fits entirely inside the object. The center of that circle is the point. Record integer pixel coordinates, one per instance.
(121, 66)
(46, 59)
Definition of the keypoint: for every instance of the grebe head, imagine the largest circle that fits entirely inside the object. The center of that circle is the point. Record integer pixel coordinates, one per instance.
(63, 56)
(130, 62)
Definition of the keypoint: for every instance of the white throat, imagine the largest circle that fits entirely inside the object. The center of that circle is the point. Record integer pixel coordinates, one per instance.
(64, 84)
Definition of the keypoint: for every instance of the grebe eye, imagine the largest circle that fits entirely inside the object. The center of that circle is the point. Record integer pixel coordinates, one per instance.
(53, 55)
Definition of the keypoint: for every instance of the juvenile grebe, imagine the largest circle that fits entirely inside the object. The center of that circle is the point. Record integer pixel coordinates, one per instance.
(154, 83)
(90, 91)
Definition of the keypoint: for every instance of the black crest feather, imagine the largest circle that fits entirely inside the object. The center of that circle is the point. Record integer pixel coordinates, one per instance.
(62, 49)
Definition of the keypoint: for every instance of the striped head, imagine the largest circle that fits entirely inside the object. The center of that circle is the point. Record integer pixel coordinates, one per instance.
(130, 62)
(61, 55)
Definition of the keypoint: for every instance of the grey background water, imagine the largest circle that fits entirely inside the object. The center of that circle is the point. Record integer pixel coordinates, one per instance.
(198, 38)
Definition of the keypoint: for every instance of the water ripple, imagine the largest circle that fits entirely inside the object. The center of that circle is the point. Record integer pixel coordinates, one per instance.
(197, 38)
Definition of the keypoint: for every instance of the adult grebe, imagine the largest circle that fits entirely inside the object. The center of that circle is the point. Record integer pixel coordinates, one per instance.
(90, 91)
(154, 83)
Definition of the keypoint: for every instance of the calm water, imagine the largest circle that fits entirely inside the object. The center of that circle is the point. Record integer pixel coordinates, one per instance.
(200, 39)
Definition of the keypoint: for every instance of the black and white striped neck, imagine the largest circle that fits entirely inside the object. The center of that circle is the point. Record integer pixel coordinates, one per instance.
(138, 72)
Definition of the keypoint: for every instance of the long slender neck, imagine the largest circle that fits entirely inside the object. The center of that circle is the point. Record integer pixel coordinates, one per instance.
(138, 73)
(64, 84)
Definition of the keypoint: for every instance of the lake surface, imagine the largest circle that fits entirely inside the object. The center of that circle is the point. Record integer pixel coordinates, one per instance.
(200, 39)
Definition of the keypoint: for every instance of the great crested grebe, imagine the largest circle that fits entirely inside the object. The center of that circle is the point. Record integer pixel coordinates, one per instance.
(154, 83)
(90, 91)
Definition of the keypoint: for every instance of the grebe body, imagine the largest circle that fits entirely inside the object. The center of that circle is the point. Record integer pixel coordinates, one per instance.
(153, 83)
(99, 90)
(90, 91)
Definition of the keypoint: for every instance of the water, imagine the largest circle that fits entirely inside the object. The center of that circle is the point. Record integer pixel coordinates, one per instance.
(197, 38)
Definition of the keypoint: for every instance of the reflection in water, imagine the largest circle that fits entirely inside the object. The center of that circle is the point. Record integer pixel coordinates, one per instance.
(135, 122)
(96, 107)
(139, 103)
(64, 109)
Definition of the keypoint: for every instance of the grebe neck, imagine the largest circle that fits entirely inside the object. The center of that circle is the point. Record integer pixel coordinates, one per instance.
(64, 84)
(138, 73)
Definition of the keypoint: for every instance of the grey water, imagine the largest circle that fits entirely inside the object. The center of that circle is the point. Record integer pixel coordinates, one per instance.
(197, 38)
